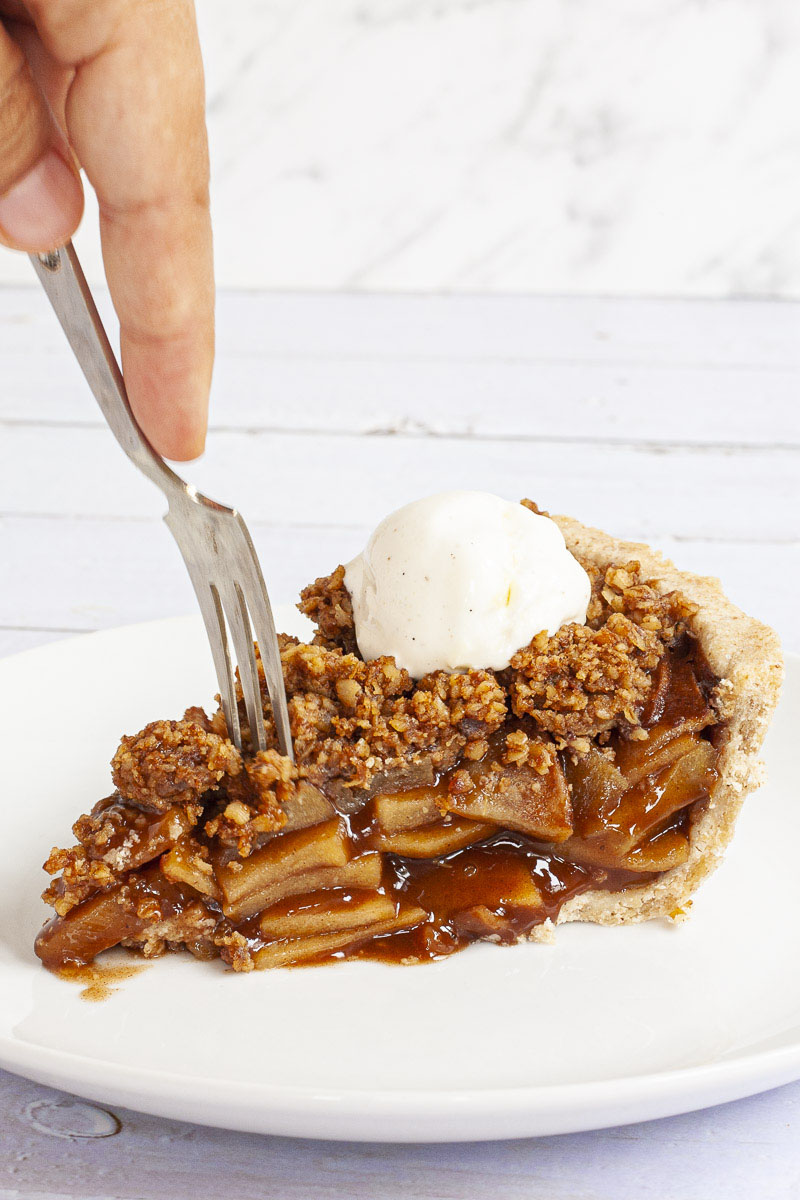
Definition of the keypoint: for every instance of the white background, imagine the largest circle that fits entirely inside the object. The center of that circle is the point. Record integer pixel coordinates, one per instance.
(590, 146)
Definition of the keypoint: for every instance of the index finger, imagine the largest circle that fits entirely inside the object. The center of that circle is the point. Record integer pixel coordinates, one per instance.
(135, 115)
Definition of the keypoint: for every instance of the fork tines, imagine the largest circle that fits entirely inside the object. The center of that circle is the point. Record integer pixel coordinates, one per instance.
(227, 578)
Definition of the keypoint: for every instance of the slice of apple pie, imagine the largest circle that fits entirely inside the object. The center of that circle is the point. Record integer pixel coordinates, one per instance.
(595, 776)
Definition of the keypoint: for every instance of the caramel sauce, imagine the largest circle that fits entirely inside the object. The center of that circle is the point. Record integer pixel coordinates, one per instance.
(500, 887)
(486, 875)
(98, 979)
(110, 917)
(135, 833)
(683, 683)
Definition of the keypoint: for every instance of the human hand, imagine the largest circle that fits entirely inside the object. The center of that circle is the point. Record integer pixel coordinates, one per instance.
(123, 82)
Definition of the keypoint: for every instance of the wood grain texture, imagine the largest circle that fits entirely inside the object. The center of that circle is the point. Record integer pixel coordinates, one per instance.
(54, 1146)
(635, 371)
(139, 575)
(353, 480)
(673, 422)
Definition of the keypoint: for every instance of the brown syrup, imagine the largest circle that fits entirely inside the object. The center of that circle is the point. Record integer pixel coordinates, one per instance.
(682, 687)
(109, 917)
(97, 979)
(472, 893)
(486, 874)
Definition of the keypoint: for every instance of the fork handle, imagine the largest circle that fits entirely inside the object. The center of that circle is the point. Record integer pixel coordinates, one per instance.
(62, 278)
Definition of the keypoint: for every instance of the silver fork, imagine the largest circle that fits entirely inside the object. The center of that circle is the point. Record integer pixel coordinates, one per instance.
(214, 541)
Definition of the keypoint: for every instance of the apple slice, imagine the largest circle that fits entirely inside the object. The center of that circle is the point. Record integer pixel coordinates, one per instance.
(503, 914)
(95, 925)
(311, 915)
(515, 798)
(676, 696)
(664, 745)
(291, 951)
(366, 871)
(656, 798)
(660, 852)
(433, 841)
(185, 864)
(306, 807)
(595, 786)
(397, 812)
(244, 882)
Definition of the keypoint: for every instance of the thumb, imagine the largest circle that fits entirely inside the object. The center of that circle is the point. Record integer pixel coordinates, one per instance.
(41, 198)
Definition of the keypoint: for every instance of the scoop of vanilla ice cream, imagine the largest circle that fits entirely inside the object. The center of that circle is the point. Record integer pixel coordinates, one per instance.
(462, 579)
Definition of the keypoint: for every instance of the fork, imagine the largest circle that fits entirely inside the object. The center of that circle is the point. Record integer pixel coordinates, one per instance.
(213, 539)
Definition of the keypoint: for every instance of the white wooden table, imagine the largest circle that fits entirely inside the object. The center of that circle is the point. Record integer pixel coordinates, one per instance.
(677, 422)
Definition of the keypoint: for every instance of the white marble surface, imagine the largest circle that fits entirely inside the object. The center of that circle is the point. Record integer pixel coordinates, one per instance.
(675, 421)
(573, 146)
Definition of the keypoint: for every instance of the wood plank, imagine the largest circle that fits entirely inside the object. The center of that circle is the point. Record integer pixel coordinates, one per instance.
(748, 1148)
(541, 328)
(602, 401)
(486, 367)
(95, 573)
(642, 491)
(468, 328)
(538, 401)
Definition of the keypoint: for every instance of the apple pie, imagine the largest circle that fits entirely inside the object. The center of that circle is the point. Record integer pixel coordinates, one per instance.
(597, 778)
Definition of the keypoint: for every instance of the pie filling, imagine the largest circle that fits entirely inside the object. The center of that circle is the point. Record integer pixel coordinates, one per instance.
(420, 816)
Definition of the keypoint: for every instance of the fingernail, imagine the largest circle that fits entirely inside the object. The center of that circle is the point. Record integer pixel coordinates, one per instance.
(43, 208)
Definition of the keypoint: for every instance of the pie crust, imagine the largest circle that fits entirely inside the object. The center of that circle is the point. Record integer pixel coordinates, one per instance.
(746, 656)
(261, 861)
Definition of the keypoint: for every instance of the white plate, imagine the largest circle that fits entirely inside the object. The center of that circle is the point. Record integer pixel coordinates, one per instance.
(609, 1026)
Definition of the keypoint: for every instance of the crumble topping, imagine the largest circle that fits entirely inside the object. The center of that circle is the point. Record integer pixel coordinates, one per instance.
(110, 843)
(621, 589)
(172, 761)
(576, 685)
(193, 925)
(522, 750)
(582, 681)
(353, 720)
(254, 802)
(79, 878)
(356, 724)
(327, 603)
